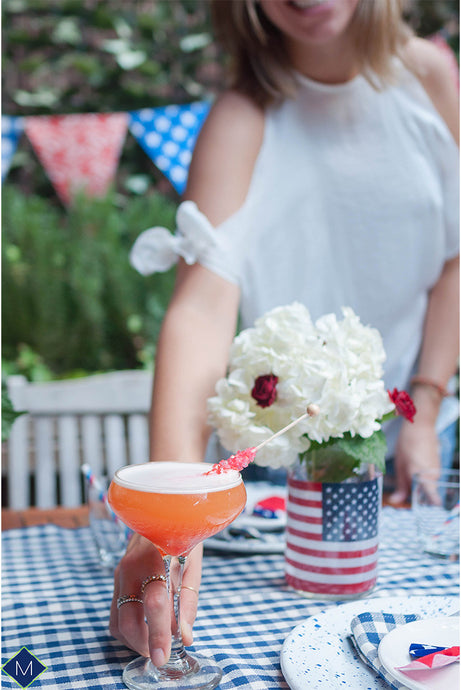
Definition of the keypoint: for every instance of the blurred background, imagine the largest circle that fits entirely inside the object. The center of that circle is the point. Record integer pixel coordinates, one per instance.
(72, 304)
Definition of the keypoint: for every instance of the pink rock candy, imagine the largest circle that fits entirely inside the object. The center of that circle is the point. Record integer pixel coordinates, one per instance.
(238, 462)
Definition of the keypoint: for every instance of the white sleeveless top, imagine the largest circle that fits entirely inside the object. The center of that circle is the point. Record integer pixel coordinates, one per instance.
(353, 202)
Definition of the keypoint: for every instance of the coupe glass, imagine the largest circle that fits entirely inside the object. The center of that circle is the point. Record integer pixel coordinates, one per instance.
(176, 506)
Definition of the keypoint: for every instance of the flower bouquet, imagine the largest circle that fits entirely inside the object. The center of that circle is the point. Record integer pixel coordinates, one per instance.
(285, 362)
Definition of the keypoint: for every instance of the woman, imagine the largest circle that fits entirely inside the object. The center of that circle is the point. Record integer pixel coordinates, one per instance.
(328, 172)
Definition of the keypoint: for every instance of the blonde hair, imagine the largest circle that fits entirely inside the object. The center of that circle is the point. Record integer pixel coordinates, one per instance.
(259, 63)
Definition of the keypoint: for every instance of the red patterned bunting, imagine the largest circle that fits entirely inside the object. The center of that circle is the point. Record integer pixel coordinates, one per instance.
(78, 151)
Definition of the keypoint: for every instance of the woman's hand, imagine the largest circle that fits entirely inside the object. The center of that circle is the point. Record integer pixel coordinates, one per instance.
(417, 450)
(128, 623)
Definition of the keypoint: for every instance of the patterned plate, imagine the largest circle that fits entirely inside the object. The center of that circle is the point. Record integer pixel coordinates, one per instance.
(317, 653)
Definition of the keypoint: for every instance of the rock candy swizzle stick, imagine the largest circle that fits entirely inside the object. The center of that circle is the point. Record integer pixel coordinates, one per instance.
(242, 458)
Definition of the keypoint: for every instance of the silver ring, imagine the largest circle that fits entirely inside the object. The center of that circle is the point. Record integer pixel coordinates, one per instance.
(128, 598)
(152, 578)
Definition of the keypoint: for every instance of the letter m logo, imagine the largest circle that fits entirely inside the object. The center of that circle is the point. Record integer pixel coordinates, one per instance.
(24, 668)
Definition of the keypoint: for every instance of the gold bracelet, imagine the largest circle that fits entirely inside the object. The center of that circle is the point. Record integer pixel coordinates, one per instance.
(424, 381)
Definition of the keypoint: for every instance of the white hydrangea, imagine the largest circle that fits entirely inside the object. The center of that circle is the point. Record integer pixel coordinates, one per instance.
(337, 365)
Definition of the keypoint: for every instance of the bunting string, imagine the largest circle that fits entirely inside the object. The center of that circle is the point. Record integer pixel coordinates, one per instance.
(81, 151)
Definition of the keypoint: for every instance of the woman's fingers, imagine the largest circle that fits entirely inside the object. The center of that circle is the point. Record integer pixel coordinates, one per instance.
(189, 602)
(132, 627)
(403, 485)
(127, 621)
(417, 451)
(189, 593)
(157, 612)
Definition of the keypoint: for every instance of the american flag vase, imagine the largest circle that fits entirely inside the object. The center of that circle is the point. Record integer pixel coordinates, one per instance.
(332, 534)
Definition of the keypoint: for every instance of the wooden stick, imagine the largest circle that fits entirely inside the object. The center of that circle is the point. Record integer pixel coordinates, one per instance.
(312, 411)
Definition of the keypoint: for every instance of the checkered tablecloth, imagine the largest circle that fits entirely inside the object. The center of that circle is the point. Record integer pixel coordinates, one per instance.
(56, 598)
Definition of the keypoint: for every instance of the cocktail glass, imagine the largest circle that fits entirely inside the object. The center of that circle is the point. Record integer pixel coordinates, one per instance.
(176, 506)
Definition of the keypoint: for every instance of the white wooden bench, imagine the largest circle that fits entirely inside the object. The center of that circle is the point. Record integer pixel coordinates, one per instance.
(100, 420)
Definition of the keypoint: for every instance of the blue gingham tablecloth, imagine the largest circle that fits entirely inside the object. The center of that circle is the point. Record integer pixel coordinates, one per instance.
(56, 599)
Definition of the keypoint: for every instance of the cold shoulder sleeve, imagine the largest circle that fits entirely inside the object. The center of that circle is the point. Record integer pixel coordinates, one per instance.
(156, 249)
(195, 240)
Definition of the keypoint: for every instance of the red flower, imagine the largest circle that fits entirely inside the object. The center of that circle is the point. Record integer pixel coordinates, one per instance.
(403, 404)
(265, 390)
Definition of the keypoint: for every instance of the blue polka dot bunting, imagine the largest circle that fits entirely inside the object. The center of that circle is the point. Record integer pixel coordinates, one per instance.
(12, 128)
(168, 136)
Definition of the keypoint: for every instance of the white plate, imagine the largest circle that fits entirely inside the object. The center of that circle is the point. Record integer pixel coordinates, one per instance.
(257, 491)
(393, 651)
(267, 543)
(275, 524)
(271, 537)
(318, 654)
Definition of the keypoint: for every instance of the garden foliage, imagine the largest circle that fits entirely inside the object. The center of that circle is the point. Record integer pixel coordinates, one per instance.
(71, 301)
(70, 295)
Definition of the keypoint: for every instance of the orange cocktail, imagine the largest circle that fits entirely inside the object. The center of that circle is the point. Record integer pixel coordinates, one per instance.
(176, 505)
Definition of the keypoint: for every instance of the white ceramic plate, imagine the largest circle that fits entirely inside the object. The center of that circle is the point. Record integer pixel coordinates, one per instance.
(275, 524)
(269, 535)
(267, 542)
(318, 654)
(393, 651)
(257, 491)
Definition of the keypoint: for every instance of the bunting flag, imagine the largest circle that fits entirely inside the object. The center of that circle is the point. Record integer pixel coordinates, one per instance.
(12, 128)
(79, 152)
(168, 137)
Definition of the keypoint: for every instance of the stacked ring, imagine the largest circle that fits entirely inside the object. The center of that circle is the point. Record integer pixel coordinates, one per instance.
(127, 599)
(152, 578)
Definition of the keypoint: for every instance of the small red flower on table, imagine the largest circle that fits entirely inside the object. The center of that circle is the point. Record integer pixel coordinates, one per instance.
(404, 405)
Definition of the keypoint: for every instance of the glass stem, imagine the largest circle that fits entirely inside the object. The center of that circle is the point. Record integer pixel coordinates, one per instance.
(174, 568)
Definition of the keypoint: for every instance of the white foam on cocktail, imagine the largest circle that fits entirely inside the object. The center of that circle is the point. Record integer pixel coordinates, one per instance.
(175, 478)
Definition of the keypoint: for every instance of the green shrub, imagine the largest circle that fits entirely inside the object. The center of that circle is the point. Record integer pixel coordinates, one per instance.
(69, 292)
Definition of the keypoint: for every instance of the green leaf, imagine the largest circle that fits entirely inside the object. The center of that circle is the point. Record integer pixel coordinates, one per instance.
(67, 31)
(340, 458)
(42, 97)
(194, 42)
(130, 59)
(9, 414)
(367, 451)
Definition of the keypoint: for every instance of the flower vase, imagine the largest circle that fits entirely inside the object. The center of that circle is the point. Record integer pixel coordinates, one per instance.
(332, 533)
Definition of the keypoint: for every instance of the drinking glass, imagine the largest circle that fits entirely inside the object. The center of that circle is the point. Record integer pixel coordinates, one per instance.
(110, 535)
(435, 505)
(176, 506)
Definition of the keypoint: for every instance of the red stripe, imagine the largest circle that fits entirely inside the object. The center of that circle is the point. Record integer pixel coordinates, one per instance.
(305, 518)
(310, 486)
(304, 535)
(308, 503)
(334, 570)
(328, 588)
(332, 554)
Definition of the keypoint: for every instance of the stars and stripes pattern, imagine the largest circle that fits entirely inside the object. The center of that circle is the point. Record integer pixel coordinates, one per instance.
(332, 536)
